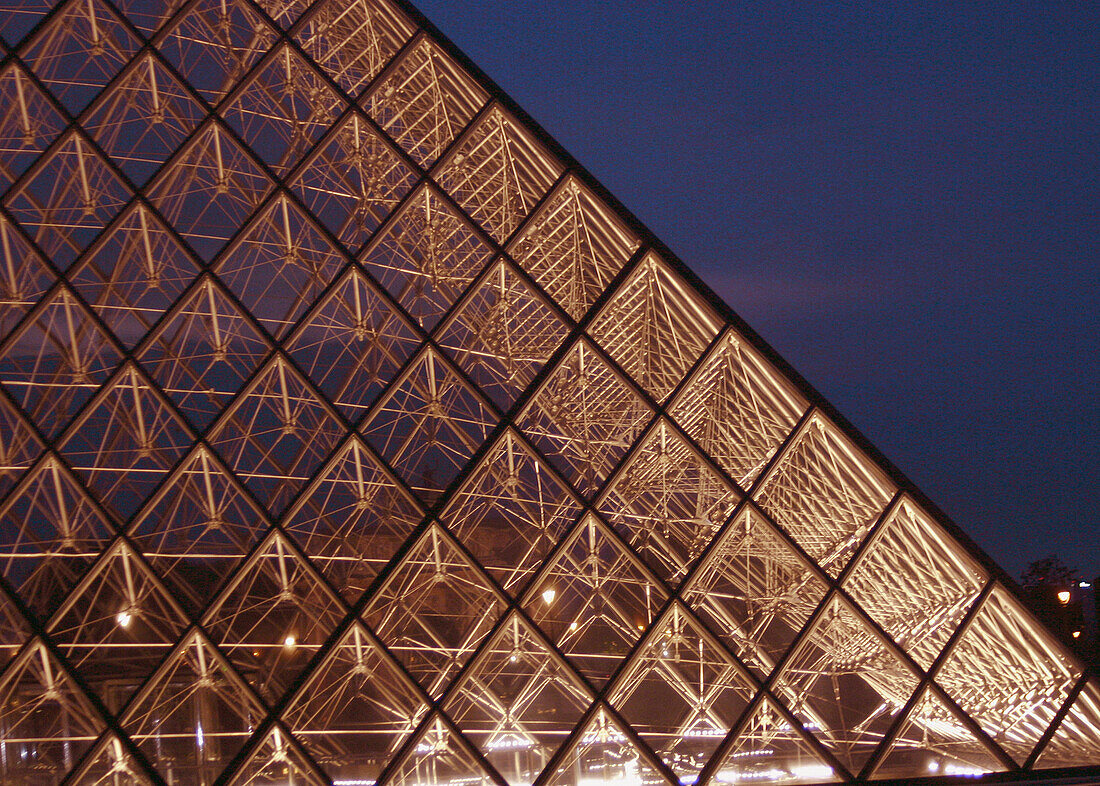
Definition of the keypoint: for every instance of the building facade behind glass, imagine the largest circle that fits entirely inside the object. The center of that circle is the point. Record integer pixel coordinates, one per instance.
(353, 434)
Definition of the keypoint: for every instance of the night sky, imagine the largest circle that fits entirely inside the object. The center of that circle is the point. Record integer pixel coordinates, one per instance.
(901, 198)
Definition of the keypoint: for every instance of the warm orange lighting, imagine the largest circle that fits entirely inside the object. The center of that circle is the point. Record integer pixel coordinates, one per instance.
(290, 641)
(549, 595)
(1063, 596)
(1077, 634)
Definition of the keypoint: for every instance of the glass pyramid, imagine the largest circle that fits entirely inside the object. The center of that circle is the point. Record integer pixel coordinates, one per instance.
(352, 434)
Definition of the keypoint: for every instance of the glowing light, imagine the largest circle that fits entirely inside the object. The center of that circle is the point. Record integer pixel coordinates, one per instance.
(290, 641)
(1077, 634)
(1084, 585)
(549, 595)
(124, 619)
(959, 769)
(572, 626)
(1064, 596)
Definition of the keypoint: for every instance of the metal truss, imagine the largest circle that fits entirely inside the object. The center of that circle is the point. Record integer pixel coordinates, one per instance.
(351, 433)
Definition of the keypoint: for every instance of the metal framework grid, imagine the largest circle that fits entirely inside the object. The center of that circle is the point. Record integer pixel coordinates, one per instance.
(353, 434)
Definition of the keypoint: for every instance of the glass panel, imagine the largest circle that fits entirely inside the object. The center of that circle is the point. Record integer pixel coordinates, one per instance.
(283, 108)
(276, 434)
(273, 618)
(48, 723)
(440, 757)
(916, 582)
(57, 361)
(738, 409)
(50, 533)
(502, 334)
(933, 741)
(603, 754)
(110, 765)
(768, 748)
(755, 591)
(352, 344)
(125, 442)
(203, 352)
(1077, 740)
(24, 277)
(584, 418)
(69, 196)
(19, 447)
(215, 43)
(434, 610)
(428, 424)
(825, 494)
(426, 255)
(511, 512)
(79, 50)
(352, 41)
(193, 716)
(134, 274)
(209, 190)
(352, 520)
(277, 762)
(147, 17)
(1008, 674)
(19, 17)
(279, 266)
(655, 327)
(117, 626)
(144, 117)
(356, 710)
(497, 172)
(353, 182)
(667, 502)
(518, 702)
(425, 101)
(594, 600)
(197, 528)
(845, 685)
(573, 247)
(683, 693)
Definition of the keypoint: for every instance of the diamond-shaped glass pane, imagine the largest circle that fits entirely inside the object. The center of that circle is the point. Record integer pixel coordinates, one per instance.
(69, 196)
(1008, 674)
(738, 409)
(425, 101)
(655, 327)
(502, 334)
(584, 417)
(755, 591)
(276, 434)
(426, 256)
(825, 494)
(511, 512)
(498, 173)
(429, 424)
(79, 50)
(433, 610)
(282, 109)
(594, 600)
(667, 502)
(143, 118)
(353, 181)
(134, 273)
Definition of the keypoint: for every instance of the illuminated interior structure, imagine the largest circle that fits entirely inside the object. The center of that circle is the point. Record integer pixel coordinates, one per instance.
(351, 433)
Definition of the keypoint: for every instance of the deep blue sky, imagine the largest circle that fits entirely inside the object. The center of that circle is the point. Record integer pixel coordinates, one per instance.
(901, 198)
